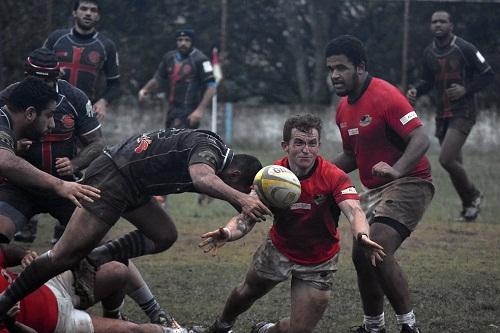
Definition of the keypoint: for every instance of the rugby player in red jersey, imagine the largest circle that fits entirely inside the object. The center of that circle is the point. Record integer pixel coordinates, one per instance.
(303, 242)
(384, 139)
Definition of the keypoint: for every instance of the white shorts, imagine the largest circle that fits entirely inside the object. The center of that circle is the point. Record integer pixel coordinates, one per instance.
(69, 319)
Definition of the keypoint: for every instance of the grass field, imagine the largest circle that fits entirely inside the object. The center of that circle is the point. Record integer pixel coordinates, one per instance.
(453, 268)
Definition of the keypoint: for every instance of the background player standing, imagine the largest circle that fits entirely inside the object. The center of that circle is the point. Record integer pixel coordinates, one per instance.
(85, 54)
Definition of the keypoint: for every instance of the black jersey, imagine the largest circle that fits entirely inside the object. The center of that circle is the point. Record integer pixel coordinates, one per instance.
(73, 118)
(157, 163)
(186, 77)
(459, 62)
(7, 135)
(83, 57)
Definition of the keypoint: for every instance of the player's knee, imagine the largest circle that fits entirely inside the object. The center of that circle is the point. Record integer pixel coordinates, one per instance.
(166, 241)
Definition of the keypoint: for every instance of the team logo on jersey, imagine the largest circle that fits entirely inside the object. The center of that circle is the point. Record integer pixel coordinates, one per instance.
(319, 199)
(365, 120)
(68, 121)
(94, 57)
(144, 141)
(186, 69)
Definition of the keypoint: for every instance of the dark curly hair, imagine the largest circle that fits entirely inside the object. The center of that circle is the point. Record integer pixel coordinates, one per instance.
(349, 46)
(304, 123)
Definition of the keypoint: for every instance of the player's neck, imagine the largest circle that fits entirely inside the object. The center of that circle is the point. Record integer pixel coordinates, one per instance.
(83, 32)
(445, 41)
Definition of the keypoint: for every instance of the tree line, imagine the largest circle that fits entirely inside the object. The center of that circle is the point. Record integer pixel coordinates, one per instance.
(271, 50)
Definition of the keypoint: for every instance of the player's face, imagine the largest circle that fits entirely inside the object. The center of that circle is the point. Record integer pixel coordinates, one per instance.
(184, 44)
(441, 26)
(302, 150)
(343, 74)
(86, 16)
(43, 123)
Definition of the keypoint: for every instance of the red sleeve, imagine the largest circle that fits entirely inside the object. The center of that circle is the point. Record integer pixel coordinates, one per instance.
(400, 115)
(342, 187)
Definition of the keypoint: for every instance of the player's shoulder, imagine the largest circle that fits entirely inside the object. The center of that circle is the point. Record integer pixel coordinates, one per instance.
(198, 55)
(108, 42)
(56, 34)
(69, 90)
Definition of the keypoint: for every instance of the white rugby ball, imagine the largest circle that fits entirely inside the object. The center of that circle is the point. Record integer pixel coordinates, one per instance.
(277, 186)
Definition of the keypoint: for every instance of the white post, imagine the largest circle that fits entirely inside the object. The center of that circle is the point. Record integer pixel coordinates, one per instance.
(214, 113)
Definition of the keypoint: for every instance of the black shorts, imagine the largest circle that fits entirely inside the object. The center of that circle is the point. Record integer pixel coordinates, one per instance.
(177, 117)
(461, 124)
(21, 204)
(117, 194)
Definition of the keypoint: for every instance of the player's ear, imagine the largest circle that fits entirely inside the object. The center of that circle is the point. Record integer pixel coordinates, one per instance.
(30, 113)
(284, 146)
(361, 68)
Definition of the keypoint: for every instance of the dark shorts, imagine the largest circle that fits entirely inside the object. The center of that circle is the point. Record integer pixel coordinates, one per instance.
(403, 200)
(117, 194)
(461, 124)
(177, 117)
(271, 264)
(20, 204)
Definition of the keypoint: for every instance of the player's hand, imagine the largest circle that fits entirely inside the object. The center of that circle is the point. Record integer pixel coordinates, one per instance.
(253, 209)
(100, 108)
(214, 240)
(24, 144)
(64, 166)
(411, 95)
(384, 170)
(142, 95)
(375, 251)
(195, 118)
(28, 258)
(77, 192)
(455, 92)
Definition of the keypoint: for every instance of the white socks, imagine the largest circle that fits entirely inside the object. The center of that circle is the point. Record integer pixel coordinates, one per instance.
(374, 324)
(407, 318)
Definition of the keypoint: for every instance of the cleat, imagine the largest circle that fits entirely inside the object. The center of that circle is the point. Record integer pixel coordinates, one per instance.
(362, 329)
(84, 282)
(260, 326)
(408, 329)
(470, 212)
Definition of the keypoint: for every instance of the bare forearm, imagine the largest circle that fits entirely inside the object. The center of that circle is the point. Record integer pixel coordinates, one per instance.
(345, 161)
(415, 150)
(238, 227)
(213, 186)
(207, 97)
(87, 155)
(20, 172)
(151, 86)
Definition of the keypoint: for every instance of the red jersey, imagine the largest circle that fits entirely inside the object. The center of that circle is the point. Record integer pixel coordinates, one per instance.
(38, 310)
(374, 128)
(306, 232)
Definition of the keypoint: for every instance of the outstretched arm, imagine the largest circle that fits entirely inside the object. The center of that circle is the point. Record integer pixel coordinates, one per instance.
(206, 181)
(237, 227)
(361, 230)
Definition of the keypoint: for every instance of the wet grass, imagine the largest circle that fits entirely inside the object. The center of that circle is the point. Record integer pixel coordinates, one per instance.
(453, 268)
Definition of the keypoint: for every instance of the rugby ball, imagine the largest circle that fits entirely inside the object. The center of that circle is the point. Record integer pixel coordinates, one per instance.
(277, 186)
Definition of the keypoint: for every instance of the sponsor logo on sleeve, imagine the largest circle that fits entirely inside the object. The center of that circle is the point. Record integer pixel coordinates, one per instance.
(89, 109)
(207, 66)
(407, 117)
(480, 57)
(349, 190)
(353, 131)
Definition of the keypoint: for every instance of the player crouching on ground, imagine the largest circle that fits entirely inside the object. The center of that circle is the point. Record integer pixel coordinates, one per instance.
(303, 241)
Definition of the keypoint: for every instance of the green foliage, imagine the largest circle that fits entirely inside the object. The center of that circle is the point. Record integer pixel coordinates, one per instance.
(274, 48)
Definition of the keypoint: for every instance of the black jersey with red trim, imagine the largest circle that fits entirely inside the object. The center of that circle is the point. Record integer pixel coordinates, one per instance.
(83, 58)
(186, 77)
(461, 63)
(7, 135)
(73, 118)
(157, 163)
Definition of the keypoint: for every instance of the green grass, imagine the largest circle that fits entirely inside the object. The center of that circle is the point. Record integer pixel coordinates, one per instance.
(453, 268)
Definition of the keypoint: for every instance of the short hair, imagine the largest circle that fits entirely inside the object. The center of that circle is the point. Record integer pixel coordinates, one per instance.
(77, 3)
(304, 123)
(349, 46)
(445, 12)
(42, 63)
(31, 91)
(248, 165)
